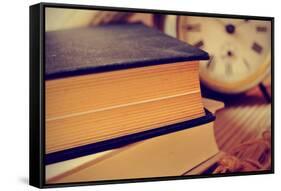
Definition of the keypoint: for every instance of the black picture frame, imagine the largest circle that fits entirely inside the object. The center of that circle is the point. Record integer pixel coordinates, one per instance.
(37, 93)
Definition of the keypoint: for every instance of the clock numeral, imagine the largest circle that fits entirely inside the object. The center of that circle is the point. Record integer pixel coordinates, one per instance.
(193, 27)
(261, 29)
(246, 63)
(199, 44)
(257, 48)
(228, 69)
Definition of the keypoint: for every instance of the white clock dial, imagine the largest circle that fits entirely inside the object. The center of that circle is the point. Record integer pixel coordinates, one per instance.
(239, 49)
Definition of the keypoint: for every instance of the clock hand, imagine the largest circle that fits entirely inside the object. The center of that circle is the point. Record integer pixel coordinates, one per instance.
(228, 69)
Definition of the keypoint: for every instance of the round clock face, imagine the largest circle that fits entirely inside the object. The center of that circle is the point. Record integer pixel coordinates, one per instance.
(239, 49)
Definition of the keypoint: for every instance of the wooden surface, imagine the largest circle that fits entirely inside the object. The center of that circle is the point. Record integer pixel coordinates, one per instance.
(243, 119)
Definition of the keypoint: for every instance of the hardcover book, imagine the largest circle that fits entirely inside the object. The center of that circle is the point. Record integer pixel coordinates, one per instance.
(129, 84)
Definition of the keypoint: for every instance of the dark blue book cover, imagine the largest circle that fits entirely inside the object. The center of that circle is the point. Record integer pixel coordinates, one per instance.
(112, 47)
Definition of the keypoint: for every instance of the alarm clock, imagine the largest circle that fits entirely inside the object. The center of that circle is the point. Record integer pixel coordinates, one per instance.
(239, 49)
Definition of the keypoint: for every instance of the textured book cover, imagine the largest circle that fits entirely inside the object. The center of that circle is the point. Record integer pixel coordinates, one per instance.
(112, 47)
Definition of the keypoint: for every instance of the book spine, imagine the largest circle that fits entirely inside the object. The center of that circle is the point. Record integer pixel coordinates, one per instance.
(36, 168)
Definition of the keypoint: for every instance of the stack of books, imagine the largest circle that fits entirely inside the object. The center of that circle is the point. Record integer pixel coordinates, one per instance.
(123, 101)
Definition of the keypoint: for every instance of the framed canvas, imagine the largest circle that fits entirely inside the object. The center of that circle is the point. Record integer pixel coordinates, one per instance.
(126, 95)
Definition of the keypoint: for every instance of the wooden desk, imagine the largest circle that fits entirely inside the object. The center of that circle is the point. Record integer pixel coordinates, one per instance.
(241, 121)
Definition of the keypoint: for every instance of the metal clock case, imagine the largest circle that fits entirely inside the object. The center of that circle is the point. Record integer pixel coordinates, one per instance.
(240, 49)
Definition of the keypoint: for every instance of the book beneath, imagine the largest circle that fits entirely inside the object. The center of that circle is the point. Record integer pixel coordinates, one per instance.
(168, 155)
